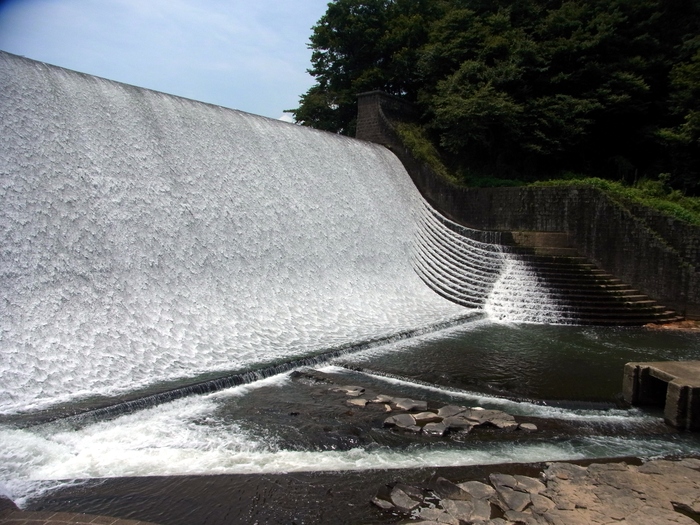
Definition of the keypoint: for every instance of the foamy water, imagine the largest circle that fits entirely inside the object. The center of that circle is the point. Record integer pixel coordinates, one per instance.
(518, 297)
(187, 437)
(147, 237)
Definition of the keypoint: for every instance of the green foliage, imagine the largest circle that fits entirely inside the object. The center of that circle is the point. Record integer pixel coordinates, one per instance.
(655, 194)
(422, 149)
(358, 46)
(524, 89)
(474, 179)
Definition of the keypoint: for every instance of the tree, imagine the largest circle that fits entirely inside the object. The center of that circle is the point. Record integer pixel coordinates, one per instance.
(683, 139)
(523, 88)
(543, 86)
(358, 46)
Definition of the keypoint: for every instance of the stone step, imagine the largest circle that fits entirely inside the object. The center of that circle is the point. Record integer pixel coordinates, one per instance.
(587, 295)
(585, 280)
(663, 317)
(613, 311)
(551, 259)
(651, 306)
(598, 295)
(554, 251)
(593, 291)
(463, 271)
(567, 270)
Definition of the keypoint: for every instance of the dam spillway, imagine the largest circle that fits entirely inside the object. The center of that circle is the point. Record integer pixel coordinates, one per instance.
(147, 237)
(151, 239)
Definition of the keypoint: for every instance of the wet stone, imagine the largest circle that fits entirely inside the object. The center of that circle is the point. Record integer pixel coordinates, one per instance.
(435, 429)
(413, 492)
(482, 510)
(477, 489)
(462, 510)
(403, 501)
(565, 471)
(445, 489)
(509, 499)
(692, 463)
(437, 516)
(541, 504)
(427, 417)
(503, 480)
(528, 427)
(493, 417)
(381, 398)
(411, 404)
(450, 410)
(655, 493)
(350, 390)
(522, 517)
(528, 484)
(402, 421)
(382, 503)
(358, 402)
(459, 423)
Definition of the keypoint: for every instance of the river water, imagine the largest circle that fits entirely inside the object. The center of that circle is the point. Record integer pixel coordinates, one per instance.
(150, 242)
(565, 379)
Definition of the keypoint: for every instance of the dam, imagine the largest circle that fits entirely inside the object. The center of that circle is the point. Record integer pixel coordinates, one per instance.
(151, 243)
(148, 238)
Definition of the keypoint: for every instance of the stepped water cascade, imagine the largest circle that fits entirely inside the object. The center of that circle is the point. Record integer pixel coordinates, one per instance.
(148, 238)
(151, 242)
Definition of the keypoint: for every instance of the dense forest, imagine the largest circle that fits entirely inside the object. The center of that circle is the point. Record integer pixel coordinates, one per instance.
(523, 89)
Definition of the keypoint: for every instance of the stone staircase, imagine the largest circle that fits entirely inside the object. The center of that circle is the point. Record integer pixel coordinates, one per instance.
(549, 283)
(587, 295)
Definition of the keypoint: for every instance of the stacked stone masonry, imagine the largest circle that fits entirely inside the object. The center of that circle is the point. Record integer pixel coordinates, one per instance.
(657, 255)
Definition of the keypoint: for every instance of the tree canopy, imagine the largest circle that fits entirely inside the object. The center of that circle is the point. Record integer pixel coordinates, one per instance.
(523, 89)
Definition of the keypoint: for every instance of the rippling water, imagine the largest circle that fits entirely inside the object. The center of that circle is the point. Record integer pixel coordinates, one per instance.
(287, 424)
(149, 240)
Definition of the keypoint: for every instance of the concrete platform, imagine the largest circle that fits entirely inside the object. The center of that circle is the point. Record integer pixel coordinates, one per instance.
(671, 385)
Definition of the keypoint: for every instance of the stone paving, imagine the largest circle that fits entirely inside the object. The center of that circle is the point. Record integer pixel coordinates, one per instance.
(659, 492)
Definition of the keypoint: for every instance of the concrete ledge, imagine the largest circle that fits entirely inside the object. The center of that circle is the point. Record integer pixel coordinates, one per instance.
(671, 385)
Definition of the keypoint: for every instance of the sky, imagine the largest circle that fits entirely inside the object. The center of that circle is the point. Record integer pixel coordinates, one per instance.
(250, 55)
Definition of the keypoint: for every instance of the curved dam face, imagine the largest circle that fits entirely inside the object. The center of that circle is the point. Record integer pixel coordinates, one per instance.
(149, 244)
(147, 238)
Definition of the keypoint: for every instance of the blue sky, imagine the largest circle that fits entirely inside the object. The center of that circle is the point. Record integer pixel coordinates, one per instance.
(250, 55)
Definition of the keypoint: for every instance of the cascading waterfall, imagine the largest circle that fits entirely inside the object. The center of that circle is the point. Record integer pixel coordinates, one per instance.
(148, 237)
(517, 296)
(457, 265)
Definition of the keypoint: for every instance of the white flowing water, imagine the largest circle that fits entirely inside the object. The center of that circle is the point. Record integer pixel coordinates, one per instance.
(188, 437)
(147, 238)
(517, 296)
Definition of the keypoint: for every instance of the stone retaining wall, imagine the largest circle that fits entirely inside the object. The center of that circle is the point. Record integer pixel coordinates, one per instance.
(656, 254)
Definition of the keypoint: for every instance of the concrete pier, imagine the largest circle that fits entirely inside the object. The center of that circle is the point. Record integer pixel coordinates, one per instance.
(671, 385)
